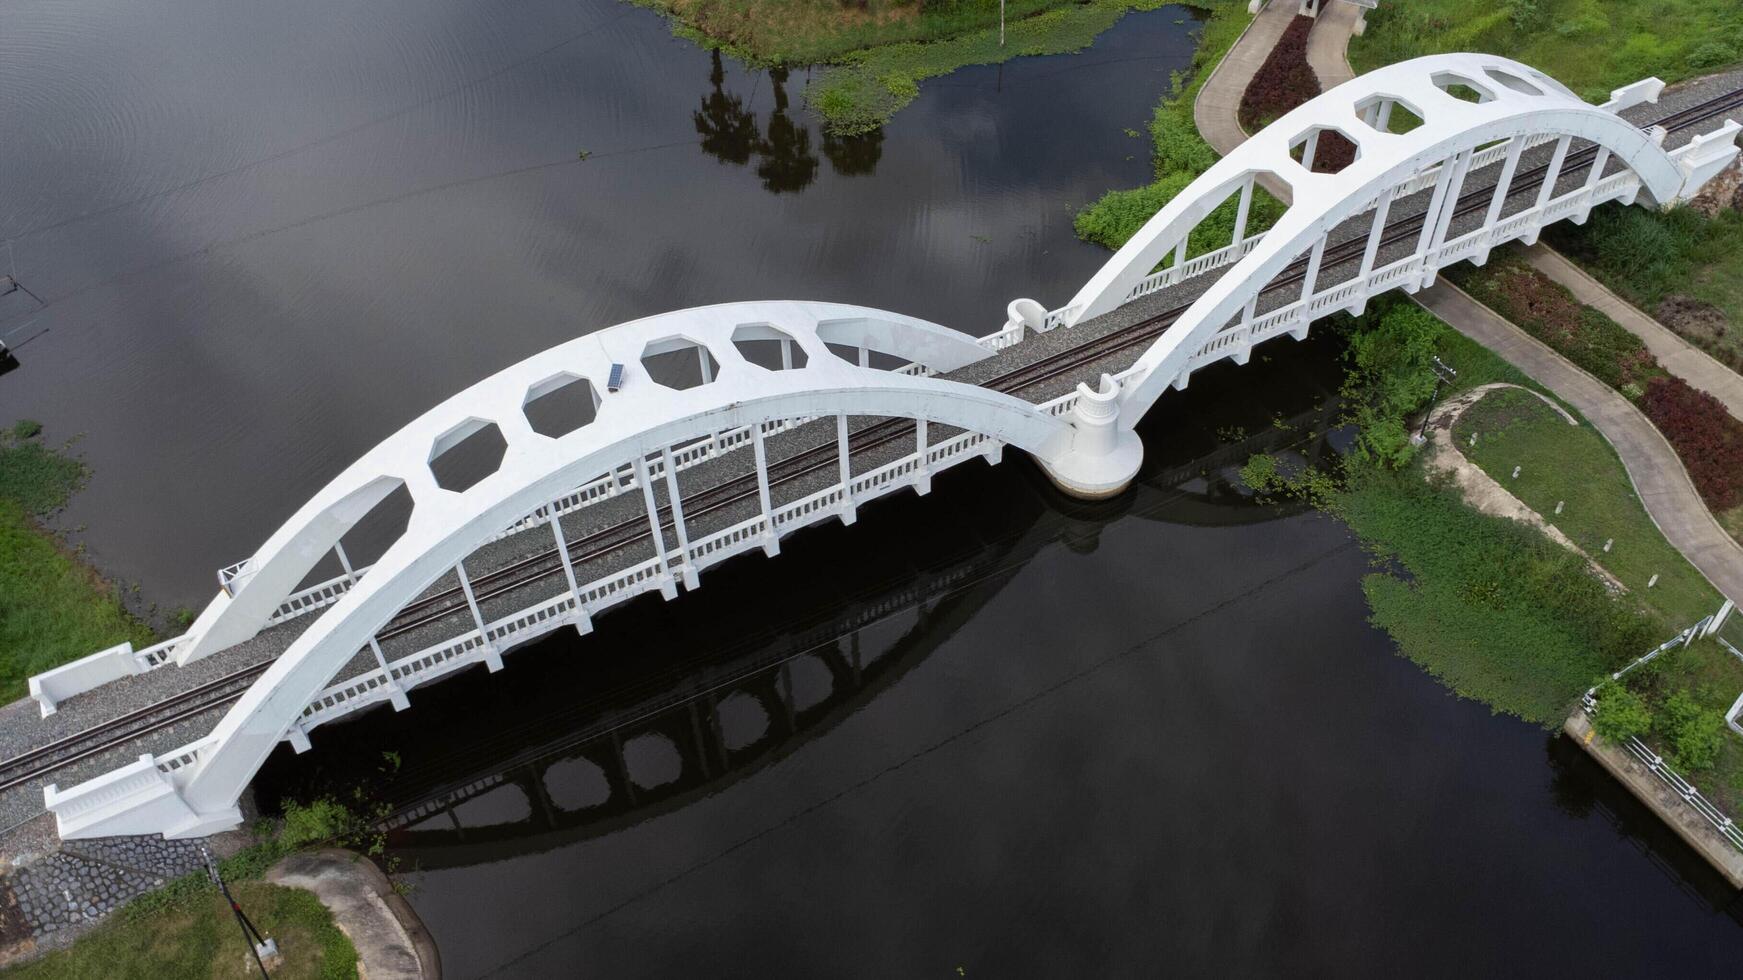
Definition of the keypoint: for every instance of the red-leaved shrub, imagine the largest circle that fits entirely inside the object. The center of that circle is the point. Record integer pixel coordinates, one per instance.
(1285, 81)
(1707, 438)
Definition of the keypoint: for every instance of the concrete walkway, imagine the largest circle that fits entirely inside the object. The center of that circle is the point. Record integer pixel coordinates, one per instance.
(1217, 109)
(391, 942)
(1678, 356)
(1329, 44)
(1659, 478)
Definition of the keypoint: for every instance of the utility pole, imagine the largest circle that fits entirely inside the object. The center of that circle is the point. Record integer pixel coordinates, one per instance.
(258, 944)
(1001, 23)
(1442, 375)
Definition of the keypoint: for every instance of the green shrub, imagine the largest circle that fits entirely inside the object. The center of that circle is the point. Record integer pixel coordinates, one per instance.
(1694, 733)
(1391, 354)
(1621, 714)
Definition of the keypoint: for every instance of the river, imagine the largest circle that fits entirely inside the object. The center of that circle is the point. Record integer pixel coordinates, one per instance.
(989, 730)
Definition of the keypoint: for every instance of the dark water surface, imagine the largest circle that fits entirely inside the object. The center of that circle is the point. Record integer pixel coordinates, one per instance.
(266, 237)
(987, 729)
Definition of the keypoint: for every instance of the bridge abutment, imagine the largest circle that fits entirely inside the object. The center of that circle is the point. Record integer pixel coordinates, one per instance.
(1104, 455)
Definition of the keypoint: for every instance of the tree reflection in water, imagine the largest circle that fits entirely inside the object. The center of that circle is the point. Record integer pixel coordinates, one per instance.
(785, 159)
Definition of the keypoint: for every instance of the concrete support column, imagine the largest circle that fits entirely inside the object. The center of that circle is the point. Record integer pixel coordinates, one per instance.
(1104, 454)
(583, 619)
(1382, 210)
(1443, 217)
(1546, 191)
(677, 504)
(1515, 147)
(1590, 190)
(849, 512)
(667, 587)
(397, 698)
(771, 537)
(1180, 257)
(344, 562)
(492, 658)
(1241, 210)
(923, 478)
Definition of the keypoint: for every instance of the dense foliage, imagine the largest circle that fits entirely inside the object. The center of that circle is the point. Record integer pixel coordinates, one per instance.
(1592, 46)
(1683, 268)
(1707, 438)
(1283, 82)
(1489, 606)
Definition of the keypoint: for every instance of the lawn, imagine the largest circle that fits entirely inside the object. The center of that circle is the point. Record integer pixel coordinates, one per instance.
(1575, 467)
(1592, 46)
(53, 608)
(199, 937)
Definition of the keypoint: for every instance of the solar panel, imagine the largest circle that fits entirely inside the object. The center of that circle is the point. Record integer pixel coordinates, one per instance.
(616, 380)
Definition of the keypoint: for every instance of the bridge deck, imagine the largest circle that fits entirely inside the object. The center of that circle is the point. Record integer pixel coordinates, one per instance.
(21, 730)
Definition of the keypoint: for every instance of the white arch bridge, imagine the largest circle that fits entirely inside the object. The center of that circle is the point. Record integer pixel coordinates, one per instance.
(736, 425)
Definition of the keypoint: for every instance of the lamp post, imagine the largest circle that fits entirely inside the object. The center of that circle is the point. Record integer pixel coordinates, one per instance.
(1001, 23)
(1442, 375)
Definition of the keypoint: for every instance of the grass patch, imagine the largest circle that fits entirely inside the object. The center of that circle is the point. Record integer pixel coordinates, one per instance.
(1592, 46)
(53, 608)
(1682, 700)
(198, 937)
(1562, 463)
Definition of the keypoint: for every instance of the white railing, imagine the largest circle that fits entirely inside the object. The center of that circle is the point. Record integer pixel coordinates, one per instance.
(1163, 278)
(472, 647)
(1720, 820)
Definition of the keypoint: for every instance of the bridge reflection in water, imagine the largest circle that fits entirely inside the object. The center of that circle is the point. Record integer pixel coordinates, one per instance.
(665, 703)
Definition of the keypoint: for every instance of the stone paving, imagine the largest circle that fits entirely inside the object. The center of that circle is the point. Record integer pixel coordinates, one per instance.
(48, 898)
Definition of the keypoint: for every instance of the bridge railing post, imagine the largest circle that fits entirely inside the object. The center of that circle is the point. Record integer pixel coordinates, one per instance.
(492, 656)
(849, 513)
(583, 618)
(923, 471)
(676, 502)
(1546, 190)
(771, 534)
(668, 588)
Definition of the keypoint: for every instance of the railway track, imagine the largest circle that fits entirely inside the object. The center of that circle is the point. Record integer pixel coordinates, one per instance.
(70, 749)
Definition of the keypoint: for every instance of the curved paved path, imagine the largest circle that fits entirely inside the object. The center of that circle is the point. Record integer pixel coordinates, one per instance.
(1217, 108)
(1678, 356)
(1658, 475)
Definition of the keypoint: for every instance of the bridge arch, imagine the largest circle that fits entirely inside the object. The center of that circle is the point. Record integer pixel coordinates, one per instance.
(1513, 105)
(640, 419)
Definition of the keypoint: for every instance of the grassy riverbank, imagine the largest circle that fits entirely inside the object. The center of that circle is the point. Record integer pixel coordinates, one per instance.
(198, 937)
(53, 607)
(864, 88)
(1707, 439)
(1179, 154)
(185, 929)
(1592, 46)
(1489, 606)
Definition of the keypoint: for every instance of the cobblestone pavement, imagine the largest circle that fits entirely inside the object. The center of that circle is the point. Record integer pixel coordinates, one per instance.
(47, 899)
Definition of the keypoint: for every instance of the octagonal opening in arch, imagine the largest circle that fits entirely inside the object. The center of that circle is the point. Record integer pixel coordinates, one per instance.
(560, 404)
(679, 362)
(851, 340)
(1512, 81)
(466, 454)
(1461, 87)
(1324, 149)
(768, 347)
(1388, 114)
